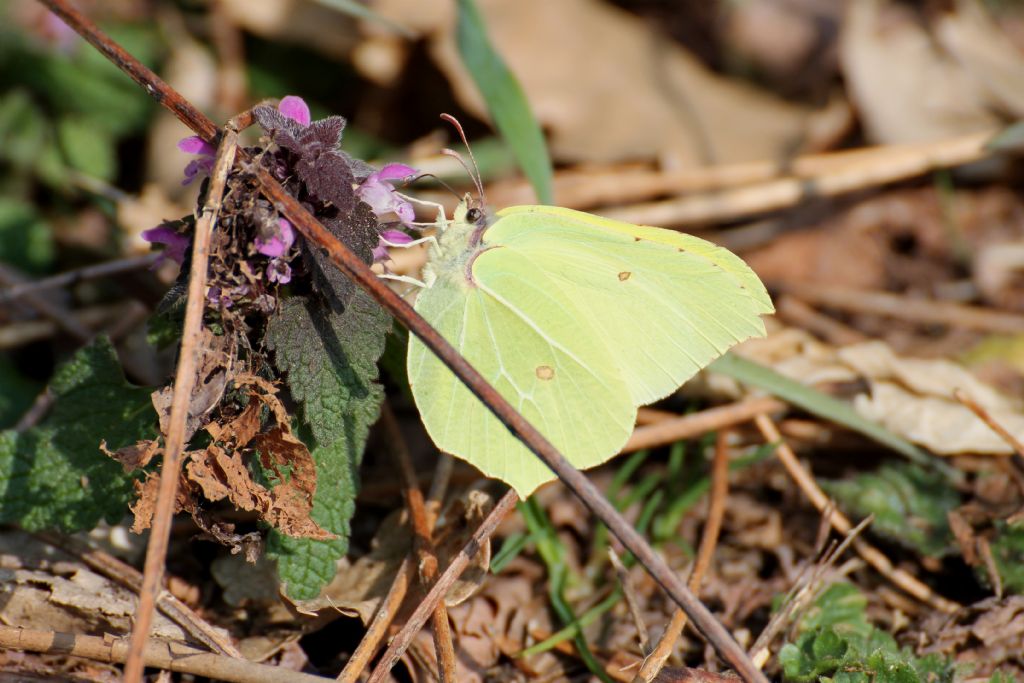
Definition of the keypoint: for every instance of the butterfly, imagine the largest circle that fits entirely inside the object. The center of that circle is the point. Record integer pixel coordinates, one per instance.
(575, 319)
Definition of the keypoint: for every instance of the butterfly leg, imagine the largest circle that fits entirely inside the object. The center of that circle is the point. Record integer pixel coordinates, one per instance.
(442, 220)
(403, 278)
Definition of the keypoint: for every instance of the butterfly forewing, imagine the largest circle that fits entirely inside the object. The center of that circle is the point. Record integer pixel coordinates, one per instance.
(665, 304)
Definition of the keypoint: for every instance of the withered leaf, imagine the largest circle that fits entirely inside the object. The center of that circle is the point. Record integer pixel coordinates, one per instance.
(221, 471)
(133, 457)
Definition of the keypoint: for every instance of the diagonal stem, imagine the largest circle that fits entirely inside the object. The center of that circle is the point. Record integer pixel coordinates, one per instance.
(356, 270)
(184, 384)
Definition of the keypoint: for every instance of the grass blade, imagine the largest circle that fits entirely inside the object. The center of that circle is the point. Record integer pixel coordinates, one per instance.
(822, 405)
(505, 100)
(360, 11)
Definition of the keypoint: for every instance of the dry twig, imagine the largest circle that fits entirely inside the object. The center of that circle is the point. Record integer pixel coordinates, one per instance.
(678, 428)
(174, 609)
(158, 654)
(422, 527)
(708, 540)
(835, 175)
(1015, 468)
(459, 563)
(922, 311)
(71, 277)
(903, 579)
(184, 383)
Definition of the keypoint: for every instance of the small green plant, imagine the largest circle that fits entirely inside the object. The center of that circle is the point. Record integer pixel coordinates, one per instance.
(836, 643)
(910, 505)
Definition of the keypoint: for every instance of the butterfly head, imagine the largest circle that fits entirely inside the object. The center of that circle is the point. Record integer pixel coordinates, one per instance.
(470, 211)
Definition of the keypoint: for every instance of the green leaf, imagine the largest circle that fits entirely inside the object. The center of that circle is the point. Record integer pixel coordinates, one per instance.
(54, 475)
(361, 11)
(505, 100)
(1008, 553)
(87, 148)
(23, 129)
(910, 505)
(822, 405)
(841, 604)
(836, 643)
(331, 363)
(18, 392)
(25, 239)
(304, 565)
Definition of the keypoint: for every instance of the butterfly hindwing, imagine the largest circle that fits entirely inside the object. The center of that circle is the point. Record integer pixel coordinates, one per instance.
(528, 340)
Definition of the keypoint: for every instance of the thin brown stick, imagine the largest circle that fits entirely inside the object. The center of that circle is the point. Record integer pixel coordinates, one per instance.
(71, 277)
(422, 531)
(805, 587)
(871, 170)
(688, 426)
(174, 609)
(900, 578)
(798, 314)
(228, 41)
(631, 600)
(184, 383)
(401, 641)
(924, 311)
(718, 494)
(158, 654)
(363, 276)
(382, 619)
(1013, 469)
(90, 317)
(48, 309)
(767, 182)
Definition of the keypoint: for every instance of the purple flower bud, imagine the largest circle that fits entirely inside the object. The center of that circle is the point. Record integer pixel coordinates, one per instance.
(396, 172)
(194, 144)
(395, 237)
(277, 245)
(389, 238)
(174, 242)
(382, 196)
(279, 271)
(295, 108)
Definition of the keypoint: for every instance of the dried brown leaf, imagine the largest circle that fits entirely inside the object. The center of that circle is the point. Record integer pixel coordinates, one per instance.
(133, 457)
(632, 94)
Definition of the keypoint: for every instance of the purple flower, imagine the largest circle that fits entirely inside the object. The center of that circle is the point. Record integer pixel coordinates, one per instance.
(389, 238)
(279, 271)
(174, 242)
(380, 194)
(194, 144)
(295, 108)
(279, 244)
(63, 36)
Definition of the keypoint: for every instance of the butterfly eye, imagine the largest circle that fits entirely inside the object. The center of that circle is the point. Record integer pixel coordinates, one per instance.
(474, 215)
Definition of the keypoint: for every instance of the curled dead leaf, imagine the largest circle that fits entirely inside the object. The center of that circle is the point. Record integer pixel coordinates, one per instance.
(221, 471)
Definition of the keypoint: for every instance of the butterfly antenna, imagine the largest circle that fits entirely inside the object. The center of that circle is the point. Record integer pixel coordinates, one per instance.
(474, 173)
(439, 181)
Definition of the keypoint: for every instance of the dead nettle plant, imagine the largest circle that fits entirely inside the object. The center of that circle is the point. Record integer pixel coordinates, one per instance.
(279, 318)
(280, 323)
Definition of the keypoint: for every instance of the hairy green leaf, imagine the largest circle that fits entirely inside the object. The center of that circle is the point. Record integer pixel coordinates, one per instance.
(330, 358)
(25, 239)
(505, 100)
(836, 643)
(1008, 553)
(55, 475)
(910, 505)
